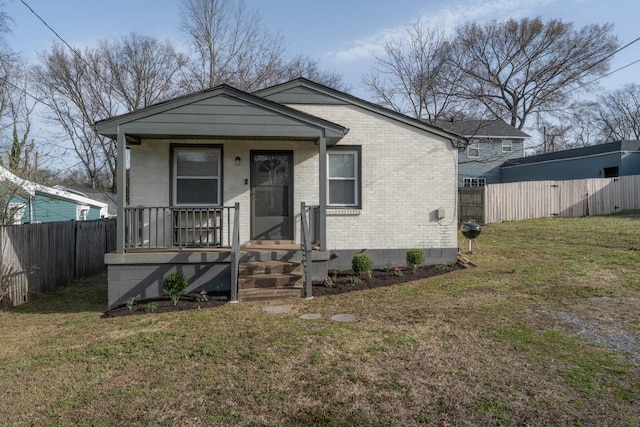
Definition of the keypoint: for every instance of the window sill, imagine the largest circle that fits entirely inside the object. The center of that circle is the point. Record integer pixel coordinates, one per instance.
(343, 211)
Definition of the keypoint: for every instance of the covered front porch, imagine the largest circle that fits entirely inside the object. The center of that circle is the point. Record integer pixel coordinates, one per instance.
(263, 162)
(204, 245)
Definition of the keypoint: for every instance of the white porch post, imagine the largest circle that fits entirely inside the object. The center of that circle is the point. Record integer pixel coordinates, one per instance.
(121, 172)
(322, 220)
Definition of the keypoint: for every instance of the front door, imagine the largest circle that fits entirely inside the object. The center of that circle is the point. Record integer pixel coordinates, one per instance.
(272, 195)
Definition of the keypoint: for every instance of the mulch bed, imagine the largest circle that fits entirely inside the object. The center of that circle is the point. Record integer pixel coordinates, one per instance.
(341, 284)
(379, 278)
(164, 305)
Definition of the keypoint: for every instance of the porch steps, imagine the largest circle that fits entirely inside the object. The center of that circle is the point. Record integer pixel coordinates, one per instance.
(269, 279)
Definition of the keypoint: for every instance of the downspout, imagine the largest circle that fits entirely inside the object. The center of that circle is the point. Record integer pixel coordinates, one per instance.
(322, 220)
(122, 178)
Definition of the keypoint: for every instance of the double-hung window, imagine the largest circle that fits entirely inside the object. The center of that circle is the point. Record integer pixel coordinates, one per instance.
(507, 146)
(196, 176)
(473, 149)
(344, 177)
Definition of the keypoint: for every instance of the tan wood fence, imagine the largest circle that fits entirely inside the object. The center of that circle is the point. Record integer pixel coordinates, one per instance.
(538, 199)
(35, 258)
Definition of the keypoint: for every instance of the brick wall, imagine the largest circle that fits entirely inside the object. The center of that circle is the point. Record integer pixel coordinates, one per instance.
(407, 176)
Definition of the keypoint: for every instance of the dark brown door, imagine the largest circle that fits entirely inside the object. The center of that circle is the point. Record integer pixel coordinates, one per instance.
(272, 195)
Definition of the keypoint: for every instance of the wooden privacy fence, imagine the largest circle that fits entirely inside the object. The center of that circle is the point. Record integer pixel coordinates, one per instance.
(36, 258)
(538, 199)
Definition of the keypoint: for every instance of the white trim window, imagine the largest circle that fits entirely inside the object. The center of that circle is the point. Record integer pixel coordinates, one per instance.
(343, 175)
(473, 149)
(196, 176)
(507, 145)
(474, 182)
(82, 212)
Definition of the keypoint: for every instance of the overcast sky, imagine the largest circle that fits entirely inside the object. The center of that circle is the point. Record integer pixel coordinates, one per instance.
(343, 35)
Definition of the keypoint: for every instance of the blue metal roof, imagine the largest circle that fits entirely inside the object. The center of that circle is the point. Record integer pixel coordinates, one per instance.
(590, 150)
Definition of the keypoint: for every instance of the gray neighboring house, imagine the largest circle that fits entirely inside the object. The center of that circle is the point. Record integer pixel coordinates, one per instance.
(491, 143)
(609, 160)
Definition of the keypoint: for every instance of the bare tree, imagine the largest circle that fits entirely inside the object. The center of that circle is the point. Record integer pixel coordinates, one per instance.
(585, 129)
(618, 114)
(303, 66)
(415, 76)
(232, 46)
(8, 61)
(141, 69)
(518, 68)
(83, 86)
(77, 95)
(555, 135)
(16, 111)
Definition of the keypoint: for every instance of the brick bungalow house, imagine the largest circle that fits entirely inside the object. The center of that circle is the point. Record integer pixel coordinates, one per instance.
(226, 184)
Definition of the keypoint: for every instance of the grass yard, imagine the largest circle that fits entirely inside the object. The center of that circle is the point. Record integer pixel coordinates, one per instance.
(546, 331)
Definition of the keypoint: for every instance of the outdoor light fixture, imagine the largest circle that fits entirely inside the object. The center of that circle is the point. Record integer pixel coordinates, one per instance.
(238, 160)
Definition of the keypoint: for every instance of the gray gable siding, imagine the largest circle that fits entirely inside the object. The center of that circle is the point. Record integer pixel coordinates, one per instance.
(220, 112)
(304, 95)
(222, 116)
(309, 92)
(490, 159)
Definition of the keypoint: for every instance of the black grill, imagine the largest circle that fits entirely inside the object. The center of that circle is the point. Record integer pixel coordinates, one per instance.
(470, 230)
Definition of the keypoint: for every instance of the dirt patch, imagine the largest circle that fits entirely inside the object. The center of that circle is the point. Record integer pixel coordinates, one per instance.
(342, 282)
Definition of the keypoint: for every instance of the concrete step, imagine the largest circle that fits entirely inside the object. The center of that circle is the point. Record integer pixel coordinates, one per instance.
(277, 280)
(268, 267)
(265, 278)
(257, 254)
(265, 294)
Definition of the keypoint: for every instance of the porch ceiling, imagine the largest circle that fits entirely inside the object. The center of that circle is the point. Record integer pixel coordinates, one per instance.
(136, 139)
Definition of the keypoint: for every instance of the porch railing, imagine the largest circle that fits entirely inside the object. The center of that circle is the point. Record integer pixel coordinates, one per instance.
(178, 227)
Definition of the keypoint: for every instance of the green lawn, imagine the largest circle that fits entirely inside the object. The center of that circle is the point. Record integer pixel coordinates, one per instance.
(546, 331)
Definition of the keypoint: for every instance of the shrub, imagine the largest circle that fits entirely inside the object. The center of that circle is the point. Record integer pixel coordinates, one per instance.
(415, 257)
(202, 296)
(353, 280)
(361, 263)
(151, 307)
(327, 282)
(174, 285)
